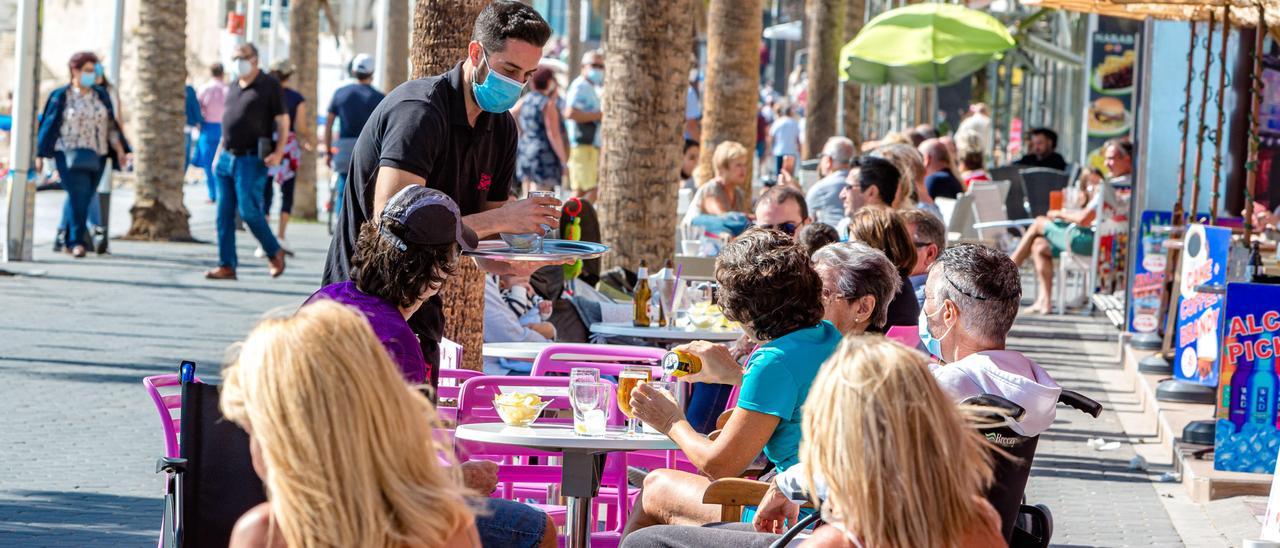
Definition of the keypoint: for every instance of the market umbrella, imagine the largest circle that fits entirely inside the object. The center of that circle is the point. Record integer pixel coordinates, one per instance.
(923, 44)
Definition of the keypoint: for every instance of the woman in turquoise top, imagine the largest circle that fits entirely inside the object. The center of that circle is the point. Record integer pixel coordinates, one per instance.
(768, 286)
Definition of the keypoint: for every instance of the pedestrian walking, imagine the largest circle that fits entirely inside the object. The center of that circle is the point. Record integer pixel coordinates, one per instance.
(191, 108)
(286, 173)
(118, 146)
(540, 157)
(213, 99)
(75, 131)
(254, 100)
(352, 105)
(584, 114)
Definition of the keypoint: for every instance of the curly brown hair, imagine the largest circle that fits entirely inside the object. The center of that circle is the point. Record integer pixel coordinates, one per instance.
(381, 269)
(766, 279)
(883, 228)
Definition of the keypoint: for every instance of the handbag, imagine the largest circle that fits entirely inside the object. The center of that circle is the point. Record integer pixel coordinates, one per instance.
(83, 159)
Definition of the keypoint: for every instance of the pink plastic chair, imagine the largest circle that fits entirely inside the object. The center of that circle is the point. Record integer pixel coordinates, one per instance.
(520, 480)
(450, 388)
(165, 405)
(909, 336)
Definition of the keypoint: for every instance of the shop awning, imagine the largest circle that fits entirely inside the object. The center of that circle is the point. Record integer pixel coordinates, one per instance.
(1244, 13)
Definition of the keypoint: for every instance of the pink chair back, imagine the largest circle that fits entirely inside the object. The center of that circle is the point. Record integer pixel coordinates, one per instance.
(609, 359)
(166, 404)
(908, 335)
(450, 388)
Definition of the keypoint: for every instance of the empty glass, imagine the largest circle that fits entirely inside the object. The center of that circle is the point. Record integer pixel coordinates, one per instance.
(589, 400)
(531, 242)
(663, 386)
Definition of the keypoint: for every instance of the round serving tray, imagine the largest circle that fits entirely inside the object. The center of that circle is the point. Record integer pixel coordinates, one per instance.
(552, 250)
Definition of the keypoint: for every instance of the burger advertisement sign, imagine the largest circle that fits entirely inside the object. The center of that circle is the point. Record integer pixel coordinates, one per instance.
(1112, 75)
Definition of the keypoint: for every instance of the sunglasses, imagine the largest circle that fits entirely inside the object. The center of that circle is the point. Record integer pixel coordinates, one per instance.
(789, 228)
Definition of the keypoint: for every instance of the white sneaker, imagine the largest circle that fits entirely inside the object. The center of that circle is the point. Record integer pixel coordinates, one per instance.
(260, 253)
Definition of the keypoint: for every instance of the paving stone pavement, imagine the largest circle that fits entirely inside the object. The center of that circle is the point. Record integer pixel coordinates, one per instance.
(79, 437)
(1094, 497)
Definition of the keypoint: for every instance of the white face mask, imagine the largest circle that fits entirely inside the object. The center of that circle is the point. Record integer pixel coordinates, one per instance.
(243, 68)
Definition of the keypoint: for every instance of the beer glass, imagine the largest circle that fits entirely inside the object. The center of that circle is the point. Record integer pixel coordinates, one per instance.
(588, 399)
(632, 377)
(582, 375)
(662, 386)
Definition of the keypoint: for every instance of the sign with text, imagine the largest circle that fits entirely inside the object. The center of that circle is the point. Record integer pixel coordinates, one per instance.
(1204, 261)
(1112, 74)
(1148, 273)
(1246, 439)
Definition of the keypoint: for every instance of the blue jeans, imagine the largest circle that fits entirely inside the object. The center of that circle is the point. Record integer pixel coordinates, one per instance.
(510, 524)
(337, 193)
(241, 180)
(81, 187)
(95, 210)
(206, 148)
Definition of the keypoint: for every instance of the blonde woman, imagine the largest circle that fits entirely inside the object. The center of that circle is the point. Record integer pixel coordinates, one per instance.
(343, 446)
(887, 453)
(717, 205)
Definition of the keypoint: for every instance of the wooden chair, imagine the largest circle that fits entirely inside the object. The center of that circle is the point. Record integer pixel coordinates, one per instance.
(732, 494)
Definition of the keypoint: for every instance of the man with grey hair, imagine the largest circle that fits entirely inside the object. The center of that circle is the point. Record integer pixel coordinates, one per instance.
(858, 282)
(930, 239)
(833, 167)
(971, 299)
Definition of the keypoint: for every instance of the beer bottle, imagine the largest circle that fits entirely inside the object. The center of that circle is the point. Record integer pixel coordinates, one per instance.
(1255, 269)
(642, 294)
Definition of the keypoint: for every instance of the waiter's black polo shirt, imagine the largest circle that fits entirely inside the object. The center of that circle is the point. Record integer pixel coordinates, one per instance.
(251, 112)
(421, 127)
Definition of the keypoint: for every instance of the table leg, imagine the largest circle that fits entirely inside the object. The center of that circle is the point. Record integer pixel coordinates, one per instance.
(580, 480)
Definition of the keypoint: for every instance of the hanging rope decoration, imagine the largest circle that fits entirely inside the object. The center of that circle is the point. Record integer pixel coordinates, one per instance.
(1256, 86)
(1200, 134)
(1217, 137)
(1179, 212)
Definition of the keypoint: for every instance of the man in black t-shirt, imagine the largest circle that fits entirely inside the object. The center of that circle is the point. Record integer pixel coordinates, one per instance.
(255, 102)
(1042, 150)
(451, 132)
(353, 104)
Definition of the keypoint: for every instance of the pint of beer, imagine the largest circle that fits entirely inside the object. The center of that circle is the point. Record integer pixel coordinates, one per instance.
(628, 381)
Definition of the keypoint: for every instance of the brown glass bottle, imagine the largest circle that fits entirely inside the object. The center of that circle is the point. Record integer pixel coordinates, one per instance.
(642, 294)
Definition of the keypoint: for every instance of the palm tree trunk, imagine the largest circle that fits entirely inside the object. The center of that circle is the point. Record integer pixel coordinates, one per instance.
(855, 13)
(304, 41)
(731, 92)
(573, 34)
(644, 95)
(441, 32)
(397, 45)
(825, 29)
(158, 212)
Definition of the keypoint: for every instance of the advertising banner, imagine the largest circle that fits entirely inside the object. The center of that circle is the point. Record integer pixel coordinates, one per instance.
(1246, 439)
(1148, 273)
(1204, 261)
(1113, 101)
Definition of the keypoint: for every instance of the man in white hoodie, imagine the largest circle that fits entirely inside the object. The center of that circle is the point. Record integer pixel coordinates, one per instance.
(970, 301)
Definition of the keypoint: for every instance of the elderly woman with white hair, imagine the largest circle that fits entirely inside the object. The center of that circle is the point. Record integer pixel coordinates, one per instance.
(858, 282)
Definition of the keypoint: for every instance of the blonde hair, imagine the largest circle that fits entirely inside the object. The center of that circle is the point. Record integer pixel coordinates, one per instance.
(901, 465)
(348, 446)
(726, 152)
(910, 165)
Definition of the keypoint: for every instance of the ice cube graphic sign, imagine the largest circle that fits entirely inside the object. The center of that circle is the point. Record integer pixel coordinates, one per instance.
(1246, 439)
(1204, 261)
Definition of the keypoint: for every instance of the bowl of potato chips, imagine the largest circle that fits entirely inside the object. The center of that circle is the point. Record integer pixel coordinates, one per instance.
(519, 409)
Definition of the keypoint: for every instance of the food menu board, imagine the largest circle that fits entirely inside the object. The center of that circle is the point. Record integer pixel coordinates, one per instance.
(1246, 437)
(1204, 262)
(1113, 55)
(1148, 273)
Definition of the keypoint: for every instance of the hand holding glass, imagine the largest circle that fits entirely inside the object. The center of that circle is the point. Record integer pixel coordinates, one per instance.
(631, 377)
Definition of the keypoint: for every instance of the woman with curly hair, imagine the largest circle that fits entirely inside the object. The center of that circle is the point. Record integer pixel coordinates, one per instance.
(399, 263)
(768, 286)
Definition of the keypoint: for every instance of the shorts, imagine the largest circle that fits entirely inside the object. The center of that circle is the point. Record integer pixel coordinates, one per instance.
(510, 523)
(1061, 234)
(286, 196)
(584, 161)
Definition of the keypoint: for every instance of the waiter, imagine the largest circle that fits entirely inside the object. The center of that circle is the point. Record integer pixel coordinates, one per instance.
(451, 132)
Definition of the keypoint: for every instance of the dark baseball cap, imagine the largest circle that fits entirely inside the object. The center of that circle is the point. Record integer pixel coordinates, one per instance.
(427, 217)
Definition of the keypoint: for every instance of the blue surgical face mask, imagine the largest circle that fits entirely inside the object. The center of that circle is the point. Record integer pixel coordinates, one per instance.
(88, 79)
(932, 345)
(498, 93)
(595, 76)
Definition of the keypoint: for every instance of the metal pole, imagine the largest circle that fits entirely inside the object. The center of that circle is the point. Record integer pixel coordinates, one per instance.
(1217, 133)
(20, 198)
(1178, 212)
(253, 22)
(383, 45)
(273, 34)
(113, 75)
(1255, 108)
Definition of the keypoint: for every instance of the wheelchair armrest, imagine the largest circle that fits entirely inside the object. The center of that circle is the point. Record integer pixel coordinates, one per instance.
(1001, 407)
(171, 465)
(1079, 401)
